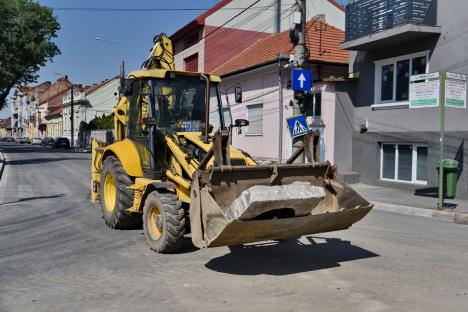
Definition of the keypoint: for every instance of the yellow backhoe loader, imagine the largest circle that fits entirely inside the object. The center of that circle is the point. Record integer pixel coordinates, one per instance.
(172, 168)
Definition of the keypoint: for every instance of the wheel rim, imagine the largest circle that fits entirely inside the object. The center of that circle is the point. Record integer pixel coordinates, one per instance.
(110, 192)
(155, 223)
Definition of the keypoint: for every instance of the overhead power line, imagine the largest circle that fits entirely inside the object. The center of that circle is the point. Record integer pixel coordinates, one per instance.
(229, 20)
(148, 9)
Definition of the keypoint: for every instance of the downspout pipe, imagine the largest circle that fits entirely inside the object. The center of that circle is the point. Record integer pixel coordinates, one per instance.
(282, 57)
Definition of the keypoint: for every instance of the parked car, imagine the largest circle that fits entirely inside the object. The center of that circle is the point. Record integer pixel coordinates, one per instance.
(18, 140)
(10, 139)
(62, 143)
(25, 140)
(36, 141)
(47, 141)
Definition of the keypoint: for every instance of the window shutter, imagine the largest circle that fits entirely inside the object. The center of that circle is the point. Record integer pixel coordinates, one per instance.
(255, 116)
(191, 63)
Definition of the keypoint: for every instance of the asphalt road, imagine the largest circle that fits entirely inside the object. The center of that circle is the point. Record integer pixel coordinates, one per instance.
(56, 254)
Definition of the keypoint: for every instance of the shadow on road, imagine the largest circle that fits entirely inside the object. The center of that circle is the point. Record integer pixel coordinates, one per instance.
(433, 192)
(33, 198)
(32, 161)
(288, 257)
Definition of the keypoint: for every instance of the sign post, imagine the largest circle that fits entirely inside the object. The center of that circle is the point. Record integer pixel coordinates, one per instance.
(439, 89)
(443, 75)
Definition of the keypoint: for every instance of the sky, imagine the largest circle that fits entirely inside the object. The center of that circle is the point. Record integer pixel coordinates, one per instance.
(86, 60)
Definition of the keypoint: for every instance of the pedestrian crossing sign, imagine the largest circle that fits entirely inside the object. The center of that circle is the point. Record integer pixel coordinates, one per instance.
(297, 126)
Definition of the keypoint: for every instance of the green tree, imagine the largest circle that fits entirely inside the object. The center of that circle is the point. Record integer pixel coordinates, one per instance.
(26, 33)
(105, 122)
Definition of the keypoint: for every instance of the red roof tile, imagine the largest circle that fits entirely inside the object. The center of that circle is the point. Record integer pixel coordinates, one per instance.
(57, 87)
(267, 49)
(53, 111)
(96, 86)
(57, 99)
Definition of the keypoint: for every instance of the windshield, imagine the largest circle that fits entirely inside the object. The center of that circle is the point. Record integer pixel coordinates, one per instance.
(180, 104)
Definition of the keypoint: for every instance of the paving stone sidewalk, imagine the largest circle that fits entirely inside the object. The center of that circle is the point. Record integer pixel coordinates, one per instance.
(407, 202)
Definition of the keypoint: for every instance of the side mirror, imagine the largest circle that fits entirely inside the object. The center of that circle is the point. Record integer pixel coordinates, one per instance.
(241, 123)
(238, 94)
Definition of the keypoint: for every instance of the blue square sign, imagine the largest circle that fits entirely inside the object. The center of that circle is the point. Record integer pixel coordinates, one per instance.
(301, 80)
(297, 126)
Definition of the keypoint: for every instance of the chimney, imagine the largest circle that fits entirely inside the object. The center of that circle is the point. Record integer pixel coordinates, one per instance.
(320, 17)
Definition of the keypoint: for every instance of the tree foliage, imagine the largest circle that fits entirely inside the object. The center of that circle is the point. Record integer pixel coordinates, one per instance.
(102, 123)
(27, 30)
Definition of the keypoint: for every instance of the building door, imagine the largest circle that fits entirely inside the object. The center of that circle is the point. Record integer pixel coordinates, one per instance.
(313, 111)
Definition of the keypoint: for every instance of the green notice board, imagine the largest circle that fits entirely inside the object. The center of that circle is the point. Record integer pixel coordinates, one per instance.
(455, 91)
(424, 93)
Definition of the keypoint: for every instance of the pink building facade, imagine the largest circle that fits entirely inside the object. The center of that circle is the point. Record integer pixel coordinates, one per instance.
(270, 139)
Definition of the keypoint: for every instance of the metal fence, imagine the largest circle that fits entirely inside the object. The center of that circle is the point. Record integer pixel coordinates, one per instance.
(365, 17)
(85, 137)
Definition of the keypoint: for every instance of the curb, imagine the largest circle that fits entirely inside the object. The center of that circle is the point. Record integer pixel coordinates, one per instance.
(456, 217)
(2, 166)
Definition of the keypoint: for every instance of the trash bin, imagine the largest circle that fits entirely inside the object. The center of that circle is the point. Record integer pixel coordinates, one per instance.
(450, 177)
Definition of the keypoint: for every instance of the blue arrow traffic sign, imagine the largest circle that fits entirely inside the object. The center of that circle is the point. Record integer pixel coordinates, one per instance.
(297, 126)
(301, 80)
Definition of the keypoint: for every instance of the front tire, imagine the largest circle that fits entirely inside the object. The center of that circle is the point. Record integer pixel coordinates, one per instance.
(116, 198)
(163, 222)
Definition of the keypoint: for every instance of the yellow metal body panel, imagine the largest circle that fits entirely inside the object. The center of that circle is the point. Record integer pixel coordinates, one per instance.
(183, 186)
(128, 155)
(97, 151)
(120, 118)
(139, 189)
(143, 186)
(162, 73)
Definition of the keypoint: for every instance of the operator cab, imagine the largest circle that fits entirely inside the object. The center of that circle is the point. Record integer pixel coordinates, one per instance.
(175, 104)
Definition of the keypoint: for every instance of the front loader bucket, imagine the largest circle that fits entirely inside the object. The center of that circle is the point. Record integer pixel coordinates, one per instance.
(245, 204)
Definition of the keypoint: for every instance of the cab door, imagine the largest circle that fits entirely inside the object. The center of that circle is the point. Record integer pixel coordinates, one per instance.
(138, 130)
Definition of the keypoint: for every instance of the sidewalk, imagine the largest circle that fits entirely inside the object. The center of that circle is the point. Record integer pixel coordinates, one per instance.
(406, 202)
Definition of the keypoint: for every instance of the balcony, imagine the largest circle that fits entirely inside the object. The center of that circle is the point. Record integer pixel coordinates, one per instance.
(374, 24)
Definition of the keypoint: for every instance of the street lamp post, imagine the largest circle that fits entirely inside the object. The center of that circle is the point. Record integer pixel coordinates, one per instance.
(122, 62)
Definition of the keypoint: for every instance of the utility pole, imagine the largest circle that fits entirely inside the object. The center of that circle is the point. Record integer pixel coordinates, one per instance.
(298, 36)
(278, 17)
(72, 119)
(282, 57)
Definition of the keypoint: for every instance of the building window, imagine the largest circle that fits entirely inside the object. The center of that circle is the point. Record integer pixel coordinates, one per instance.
(255, 117)
(191, 40)
(191, 63)
(403, 163)
(313, 104)
(392, 76)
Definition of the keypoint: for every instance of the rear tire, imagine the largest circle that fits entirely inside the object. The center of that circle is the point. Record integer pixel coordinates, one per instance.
(116, 198)
(163, 222)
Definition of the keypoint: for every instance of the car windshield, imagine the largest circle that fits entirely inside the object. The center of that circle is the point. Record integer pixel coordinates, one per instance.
(180, 103)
